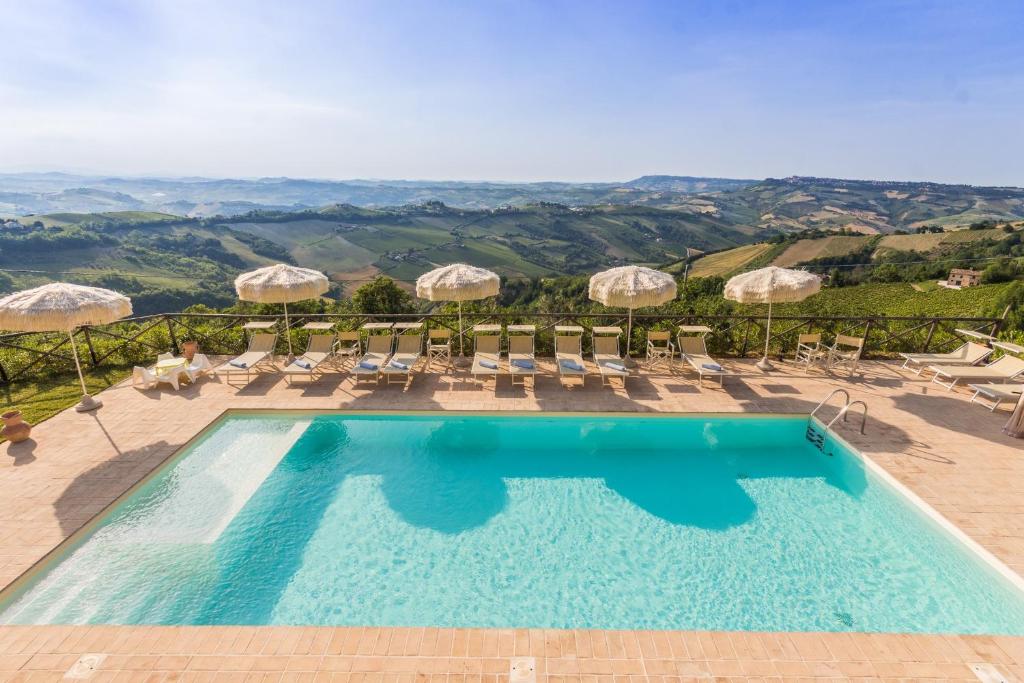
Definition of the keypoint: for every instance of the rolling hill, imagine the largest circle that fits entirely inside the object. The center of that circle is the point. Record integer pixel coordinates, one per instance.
(170, 259)
(147, 253)
(753, 206)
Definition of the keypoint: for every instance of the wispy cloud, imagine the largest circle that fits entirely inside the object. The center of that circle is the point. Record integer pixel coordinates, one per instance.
(515, 90)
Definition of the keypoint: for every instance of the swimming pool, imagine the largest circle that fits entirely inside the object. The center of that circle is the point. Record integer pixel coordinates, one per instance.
(584, 521)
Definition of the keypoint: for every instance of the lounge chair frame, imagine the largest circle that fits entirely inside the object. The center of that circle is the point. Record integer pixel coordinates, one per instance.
(969, 353)
(522, 346)
(378, 352)
(486, 347)
(694, 351)
(1005, 369)
(569, 347)
(320, 349)
(260, 350)
(606, 350)
(996, 393)
(408, 351)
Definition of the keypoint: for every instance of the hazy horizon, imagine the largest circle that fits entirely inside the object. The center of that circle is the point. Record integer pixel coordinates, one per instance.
(497, 181)
(918, 90)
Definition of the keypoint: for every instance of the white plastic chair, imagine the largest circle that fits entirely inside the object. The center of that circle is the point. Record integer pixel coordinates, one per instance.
(143, 377)
(149, 379)
(199, 366)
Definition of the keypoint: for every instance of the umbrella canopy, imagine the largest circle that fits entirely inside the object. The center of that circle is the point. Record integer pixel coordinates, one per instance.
(771, 285)
(62, 307)
(281, 284)
(632, 287)
(457, 282)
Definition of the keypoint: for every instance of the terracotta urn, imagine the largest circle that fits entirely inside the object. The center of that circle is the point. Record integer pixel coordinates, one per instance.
(189, 350)
(15, 429)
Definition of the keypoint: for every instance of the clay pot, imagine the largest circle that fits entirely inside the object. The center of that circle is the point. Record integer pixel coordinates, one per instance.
(15, 429)
(189, 349)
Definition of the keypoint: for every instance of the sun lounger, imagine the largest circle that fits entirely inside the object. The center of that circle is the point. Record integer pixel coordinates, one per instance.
(569, 357)
(1001, 370)
(486, 356)
(319, 349)
(695, 352)
(522, 363)
(997, 393)
(968, 354)
(260, 352)
(609, 361)
(403, 362)
(378, 352)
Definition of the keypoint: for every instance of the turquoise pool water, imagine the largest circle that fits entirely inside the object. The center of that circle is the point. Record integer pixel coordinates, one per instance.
(540, 521)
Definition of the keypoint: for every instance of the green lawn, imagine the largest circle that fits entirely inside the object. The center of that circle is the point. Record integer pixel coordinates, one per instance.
(40, 400)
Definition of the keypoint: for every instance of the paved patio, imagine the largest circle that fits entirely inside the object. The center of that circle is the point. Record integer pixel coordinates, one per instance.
(952, 454)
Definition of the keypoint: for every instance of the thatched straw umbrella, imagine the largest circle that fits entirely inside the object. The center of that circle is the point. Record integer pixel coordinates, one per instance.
(771, 285)
(457, 282)
(63, 307)
(632, 287)
(281, 284)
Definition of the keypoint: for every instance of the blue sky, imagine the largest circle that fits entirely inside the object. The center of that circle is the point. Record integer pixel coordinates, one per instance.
(515, 90)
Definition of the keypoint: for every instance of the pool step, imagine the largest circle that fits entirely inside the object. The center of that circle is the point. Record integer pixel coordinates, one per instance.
(218, 481)
(815, 437)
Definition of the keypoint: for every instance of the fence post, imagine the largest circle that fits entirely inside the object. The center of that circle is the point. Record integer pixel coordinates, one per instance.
(931, 333)
(174, 338)
(997, 325)
(746, 335)
(867, 331)
(4, 379)
(88, 342)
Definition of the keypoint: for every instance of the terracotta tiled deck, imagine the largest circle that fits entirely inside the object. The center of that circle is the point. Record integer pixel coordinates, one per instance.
(951, 453)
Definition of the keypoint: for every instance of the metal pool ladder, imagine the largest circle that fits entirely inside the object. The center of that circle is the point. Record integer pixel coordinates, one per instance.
(818, 437)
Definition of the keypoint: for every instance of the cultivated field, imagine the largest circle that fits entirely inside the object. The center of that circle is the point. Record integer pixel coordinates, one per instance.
(808, 250)
(727, 262)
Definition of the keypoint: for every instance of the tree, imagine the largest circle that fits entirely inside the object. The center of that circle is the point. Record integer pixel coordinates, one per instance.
(382, 295)
(1012, 298)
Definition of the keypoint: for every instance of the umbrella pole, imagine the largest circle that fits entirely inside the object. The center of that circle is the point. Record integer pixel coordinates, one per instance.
(461, 362)
(629, 338)
(288, 333)
(87, 402)
(764, 363)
